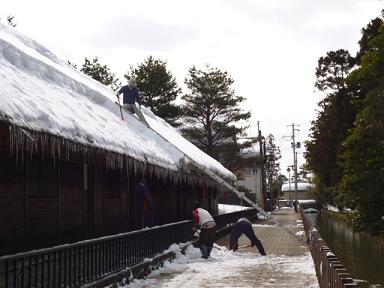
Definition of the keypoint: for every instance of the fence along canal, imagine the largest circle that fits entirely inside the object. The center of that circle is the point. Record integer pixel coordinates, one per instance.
(330, 271)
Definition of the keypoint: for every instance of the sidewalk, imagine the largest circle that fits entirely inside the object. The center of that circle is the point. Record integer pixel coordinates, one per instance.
(276, 240)
(288, 263)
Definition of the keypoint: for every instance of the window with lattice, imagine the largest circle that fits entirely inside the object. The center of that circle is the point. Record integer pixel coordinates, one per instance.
(41, 178)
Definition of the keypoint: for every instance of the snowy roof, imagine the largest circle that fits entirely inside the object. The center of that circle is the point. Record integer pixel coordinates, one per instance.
(42, 93)
(301, 186)
(252, 151)
(182, 144)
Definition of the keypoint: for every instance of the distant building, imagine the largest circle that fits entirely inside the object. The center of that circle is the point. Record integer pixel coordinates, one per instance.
(250, 177)
(304, 191)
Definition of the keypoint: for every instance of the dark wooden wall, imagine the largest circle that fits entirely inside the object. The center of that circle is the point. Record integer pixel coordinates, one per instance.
(45, 202)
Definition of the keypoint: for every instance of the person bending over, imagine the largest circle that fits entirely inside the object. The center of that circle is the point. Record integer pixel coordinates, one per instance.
(244, 226)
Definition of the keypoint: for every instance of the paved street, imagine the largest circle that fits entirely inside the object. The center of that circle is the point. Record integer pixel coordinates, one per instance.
(276, 240)
(288, 263)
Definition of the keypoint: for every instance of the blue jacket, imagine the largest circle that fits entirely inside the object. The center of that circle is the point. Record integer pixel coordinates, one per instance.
(130, 95)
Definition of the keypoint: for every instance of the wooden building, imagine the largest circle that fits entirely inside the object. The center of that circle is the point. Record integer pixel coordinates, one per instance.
(45, 201)
(69, 165)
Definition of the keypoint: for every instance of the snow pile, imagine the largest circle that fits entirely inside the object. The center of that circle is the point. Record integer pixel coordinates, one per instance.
(43, 93)
(307, 201)
(227, 208)
(230, 269)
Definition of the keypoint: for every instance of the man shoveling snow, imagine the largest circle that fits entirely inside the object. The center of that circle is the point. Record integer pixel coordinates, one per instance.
(207, 226)
(244, 226)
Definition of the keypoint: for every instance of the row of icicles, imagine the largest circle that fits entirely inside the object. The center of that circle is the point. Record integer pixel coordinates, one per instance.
(26, 143)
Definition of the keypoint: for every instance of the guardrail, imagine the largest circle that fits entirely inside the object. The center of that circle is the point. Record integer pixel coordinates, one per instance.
(72, 265)
(330, 271)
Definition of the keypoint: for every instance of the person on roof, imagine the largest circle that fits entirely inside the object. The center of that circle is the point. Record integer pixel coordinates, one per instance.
(131, 95)
(204, 221)
(244, 226)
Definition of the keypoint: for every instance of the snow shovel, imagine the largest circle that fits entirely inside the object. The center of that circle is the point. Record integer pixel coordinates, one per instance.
(244, 246)
(121, 111)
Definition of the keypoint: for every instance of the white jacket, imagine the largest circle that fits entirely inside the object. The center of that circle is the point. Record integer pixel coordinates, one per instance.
(202, 216)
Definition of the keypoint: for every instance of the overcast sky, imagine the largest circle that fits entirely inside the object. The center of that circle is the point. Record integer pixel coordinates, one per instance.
(269, 47)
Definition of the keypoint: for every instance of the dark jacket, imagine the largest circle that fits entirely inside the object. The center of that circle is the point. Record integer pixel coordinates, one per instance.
(130, 95)
(143, 193)
(243, 226)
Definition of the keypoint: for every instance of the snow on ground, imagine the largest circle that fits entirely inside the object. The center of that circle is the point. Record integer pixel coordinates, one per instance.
(226, 208)
(231, 269)
(264, 225)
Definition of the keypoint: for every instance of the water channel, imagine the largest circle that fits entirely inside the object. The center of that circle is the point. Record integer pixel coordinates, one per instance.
(361, 254)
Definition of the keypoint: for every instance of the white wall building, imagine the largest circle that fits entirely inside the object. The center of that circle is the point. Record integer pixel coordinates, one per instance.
(251, 177)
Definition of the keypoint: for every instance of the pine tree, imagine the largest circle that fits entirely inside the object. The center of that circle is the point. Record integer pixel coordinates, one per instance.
(272, 167)
(363, 179)
(346, 152)
(332, 70)
(369, 32)
(158, 88)
(212, 115)
(99, 72)
(335, 117)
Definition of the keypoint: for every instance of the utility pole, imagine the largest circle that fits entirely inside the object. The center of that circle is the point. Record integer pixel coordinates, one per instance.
(263, 183)
(289, 169)
(293, 138)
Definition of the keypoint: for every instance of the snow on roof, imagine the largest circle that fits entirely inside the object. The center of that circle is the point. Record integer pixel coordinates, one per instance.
(301, 186)
(252, 151)
(182, 144)
(43, 93)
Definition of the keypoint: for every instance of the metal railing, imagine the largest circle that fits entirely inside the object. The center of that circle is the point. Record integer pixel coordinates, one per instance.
(223, 220)
(330, 271)
(72, 265)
